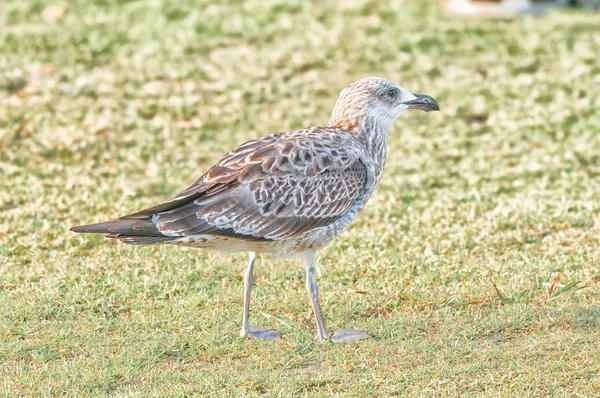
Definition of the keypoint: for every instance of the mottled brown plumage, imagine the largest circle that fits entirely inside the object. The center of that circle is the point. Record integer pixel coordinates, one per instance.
(286, 193)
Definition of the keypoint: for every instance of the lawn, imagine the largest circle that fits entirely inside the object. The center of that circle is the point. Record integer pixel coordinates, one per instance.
(475, 265)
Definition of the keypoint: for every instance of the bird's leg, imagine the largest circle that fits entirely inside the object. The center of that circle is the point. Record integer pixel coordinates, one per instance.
(259, 333)
(248, 283)
(313, 292)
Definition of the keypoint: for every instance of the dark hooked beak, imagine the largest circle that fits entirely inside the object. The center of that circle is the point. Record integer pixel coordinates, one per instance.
(423, 102)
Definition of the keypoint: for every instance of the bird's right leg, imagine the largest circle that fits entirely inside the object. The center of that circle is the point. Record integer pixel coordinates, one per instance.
(247, 330)
(313, 293)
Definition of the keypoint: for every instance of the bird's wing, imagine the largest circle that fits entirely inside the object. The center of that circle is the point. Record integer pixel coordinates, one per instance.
(274, 187)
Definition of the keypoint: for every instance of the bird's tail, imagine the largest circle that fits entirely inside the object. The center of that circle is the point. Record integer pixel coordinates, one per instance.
(130, 231)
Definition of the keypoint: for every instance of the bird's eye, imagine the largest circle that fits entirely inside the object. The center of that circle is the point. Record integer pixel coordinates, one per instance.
(392, 92)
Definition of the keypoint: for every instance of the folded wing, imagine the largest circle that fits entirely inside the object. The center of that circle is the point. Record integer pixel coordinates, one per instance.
(275, 187)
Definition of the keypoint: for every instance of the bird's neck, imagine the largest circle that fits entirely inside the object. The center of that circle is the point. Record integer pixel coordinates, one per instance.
(373, 132)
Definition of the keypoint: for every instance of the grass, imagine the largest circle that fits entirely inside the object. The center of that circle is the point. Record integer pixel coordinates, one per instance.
(475, 264)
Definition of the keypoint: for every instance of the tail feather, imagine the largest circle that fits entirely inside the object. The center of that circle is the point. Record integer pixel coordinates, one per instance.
(141, 240)
(129, 231)
(123, 226)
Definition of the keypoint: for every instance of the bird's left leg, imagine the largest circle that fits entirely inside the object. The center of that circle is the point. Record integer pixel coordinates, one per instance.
(247, 330)
(313, 292)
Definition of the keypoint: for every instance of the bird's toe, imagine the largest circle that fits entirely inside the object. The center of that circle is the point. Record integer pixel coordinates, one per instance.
(342, 335)
(263, 334)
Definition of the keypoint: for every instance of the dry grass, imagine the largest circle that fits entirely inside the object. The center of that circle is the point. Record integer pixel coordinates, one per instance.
(475, 264)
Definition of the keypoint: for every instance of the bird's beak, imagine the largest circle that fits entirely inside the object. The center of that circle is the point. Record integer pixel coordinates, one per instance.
(423, 102)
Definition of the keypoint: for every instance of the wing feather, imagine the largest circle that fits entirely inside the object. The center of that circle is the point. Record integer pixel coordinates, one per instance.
(275, 187)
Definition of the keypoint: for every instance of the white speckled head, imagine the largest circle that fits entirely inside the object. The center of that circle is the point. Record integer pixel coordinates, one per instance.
(378, 100)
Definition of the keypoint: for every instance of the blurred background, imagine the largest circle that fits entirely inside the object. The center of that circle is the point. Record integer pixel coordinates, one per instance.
(107, 107)
(511, 8)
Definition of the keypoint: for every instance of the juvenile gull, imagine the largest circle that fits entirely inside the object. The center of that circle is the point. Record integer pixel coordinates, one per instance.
(287, 193)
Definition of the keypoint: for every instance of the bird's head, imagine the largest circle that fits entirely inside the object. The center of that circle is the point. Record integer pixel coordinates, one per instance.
(375, 100)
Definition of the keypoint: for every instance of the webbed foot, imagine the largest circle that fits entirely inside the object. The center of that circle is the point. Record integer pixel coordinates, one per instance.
(342, 335)
(261, 333)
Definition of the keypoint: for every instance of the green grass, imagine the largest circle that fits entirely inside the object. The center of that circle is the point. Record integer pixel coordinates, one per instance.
(475, 264)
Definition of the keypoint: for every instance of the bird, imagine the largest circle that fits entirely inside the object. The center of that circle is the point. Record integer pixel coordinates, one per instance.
(288, 193)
